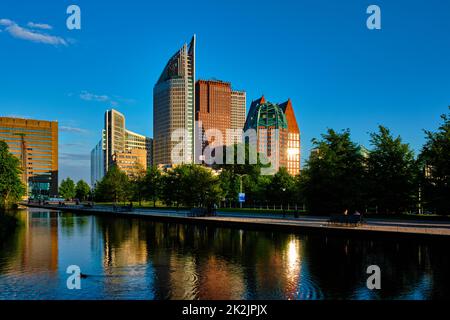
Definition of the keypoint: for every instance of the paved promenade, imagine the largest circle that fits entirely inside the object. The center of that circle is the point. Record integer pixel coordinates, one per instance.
(274, 221)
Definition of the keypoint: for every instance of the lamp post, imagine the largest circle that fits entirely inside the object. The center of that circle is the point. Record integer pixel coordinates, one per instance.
(240, 187)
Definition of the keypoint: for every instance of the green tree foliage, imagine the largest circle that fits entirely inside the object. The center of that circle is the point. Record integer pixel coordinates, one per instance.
(392, 173)
(11, 186)
(137, 186)
(281, 188)
(152, 185)
(115, 186)
(67, 189)
(191, 186)
(243, 168)
(82, 190)
(332, 180)
(435, 159)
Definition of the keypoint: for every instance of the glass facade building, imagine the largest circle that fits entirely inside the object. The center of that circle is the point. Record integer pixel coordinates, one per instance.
(35, 144)
(174, 108)
(293, 151)
(116, 139)
(277, 132)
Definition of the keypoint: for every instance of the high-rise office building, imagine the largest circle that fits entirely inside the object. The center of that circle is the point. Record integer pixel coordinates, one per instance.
(174, 108)
(293, 151)
(220, 108)
(238, 109)
(116, 139)
(35, 144)
(277, 132)
(98, 161)
(270, 123)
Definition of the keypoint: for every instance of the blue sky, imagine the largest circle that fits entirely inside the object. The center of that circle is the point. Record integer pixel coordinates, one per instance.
(319, 53)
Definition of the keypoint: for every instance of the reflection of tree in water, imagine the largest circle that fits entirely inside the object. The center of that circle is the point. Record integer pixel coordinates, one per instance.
(12, 246)
(440, 278)
(70, 222)
(339, 265)
(206, 262)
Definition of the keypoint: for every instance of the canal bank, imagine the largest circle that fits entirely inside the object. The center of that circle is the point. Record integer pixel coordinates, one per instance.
(315, 224)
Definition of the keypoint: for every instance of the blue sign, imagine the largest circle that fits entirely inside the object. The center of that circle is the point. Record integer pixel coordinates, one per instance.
(241, 197)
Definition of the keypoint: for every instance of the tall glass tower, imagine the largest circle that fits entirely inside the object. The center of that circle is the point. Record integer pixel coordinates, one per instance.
(174, 109)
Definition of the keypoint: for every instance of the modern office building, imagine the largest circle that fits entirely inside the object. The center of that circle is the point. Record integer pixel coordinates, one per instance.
(220, 108)
(174, 108)
(269, 121)
(277, 132)
(140, 142)
(98, 161)
(238, 109)
(35, 144)
(117, 139)
(133, 161)
(293, 151)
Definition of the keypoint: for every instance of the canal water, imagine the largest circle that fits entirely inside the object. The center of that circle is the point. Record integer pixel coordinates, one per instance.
(139, 259)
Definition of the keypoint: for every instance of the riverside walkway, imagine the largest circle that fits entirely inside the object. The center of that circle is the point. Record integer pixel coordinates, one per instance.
(271, 221)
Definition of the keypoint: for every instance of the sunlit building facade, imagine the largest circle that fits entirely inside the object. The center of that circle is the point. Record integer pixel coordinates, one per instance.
(174, 108)
(277, 132)
(35, 144)
(238, 109)
(117, 139)
(293, 147)
(133, 161)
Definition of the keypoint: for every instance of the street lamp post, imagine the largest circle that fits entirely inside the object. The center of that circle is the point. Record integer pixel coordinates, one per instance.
(240, 187)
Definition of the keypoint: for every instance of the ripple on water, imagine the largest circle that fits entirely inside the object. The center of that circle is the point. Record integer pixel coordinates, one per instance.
(308, 289)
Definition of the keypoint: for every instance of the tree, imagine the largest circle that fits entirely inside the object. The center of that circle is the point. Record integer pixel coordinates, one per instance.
(67, 189)
(191, 186)
(152, 184)
(435, 159)
(115, 186)
(82, 190)
(392, 173)
(171, 188)
(281, 187)
(332, 180)
(11, 186)
(137, 184)
(253, 184)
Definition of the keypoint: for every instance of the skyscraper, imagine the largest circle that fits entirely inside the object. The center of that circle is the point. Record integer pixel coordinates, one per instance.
(238, 109)
(219, 108)
(278, 135)
(117, 139)
(270, 123)
(293, 151)
(174, 108)
(35, 144)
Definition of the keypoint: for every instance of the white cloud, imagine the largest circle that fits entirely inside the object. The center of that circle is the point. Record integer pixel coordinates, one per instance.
(112, 100)
(94, 97)
(72, 129)
(6, 22)
(31, 35)
(43, 26)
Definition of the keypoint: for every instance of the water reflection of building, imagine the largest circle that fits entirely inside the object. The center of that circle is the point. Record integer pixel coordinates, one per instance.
(124, 247)
(37, 249)
(220, 280)
(278, 271)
